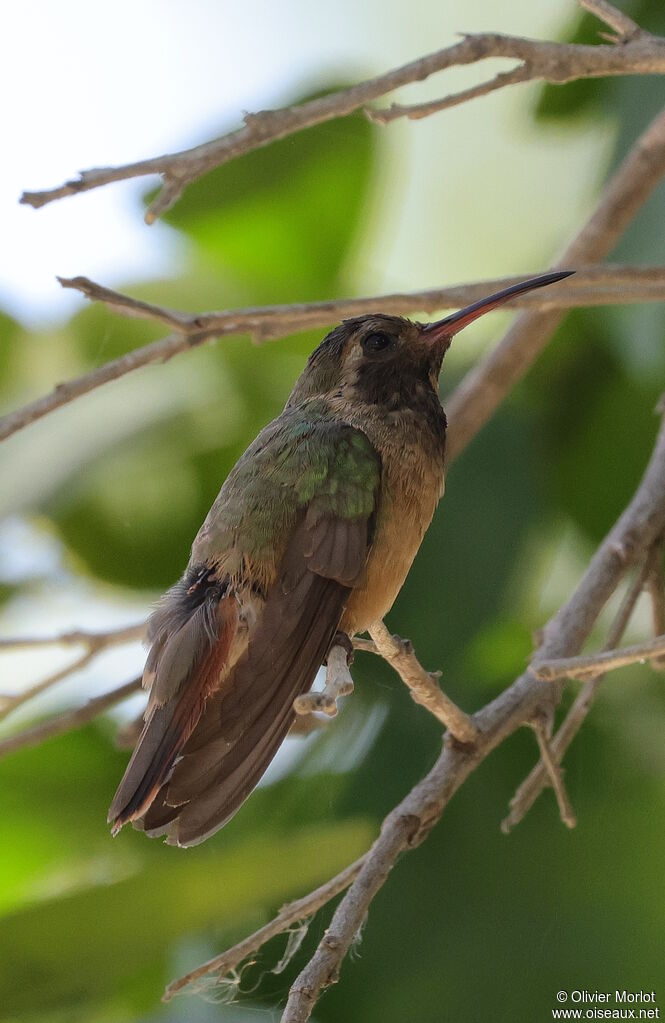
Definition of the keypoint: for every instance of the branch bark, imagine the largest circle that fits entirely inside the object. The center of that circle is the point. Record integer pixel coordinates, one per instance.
(69, 719)
(606, 660)
(639, 53)
(425, 690)
(92, 642)
(601, 285)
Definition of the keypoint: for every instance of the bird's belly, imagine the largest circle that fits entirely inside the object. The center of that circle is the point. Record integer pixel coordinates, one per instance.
(399, 533)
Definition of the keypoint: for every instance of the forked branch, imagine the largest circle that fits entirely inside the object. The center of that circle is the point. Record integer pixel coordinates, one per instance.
(639, 53)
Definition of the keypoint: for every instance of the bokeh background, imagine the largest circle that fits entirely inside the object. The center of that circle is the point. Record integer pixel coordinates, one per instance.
(101, 500)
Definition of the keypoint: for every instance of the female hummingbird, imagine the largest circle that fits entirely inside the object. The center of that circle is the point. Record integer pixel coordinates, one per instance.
(312, 534)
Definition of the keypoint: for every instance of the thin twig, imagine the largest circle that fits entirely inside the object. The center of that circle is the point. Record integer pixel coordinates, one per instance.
(554, 774)
(8, 703)
(604, 661)
(538, 778)
(77, 637)
(593, 285)
(69, 719)
(624, 26)
(640, 53)
(423, 685)
(416, 111)
(289, 915)
(93, 643)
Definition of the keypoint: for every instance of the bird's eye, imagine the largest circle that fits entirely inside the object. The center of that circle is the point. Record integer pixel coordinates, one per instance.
(377, 342)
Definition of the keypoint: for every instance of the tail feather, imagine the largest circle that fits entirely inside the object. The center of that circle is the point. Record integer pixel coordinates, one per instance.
(265, 721)
(205, 745)
(185, 672)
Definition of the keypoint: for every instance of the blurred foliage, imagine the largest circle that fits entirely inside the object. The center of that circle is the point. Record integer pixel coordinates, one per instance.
(115, 913)
(472, 925)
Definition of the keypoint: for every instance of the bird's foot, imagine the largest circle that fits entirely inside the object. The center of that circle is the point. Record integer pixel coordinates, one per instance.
(338, 680)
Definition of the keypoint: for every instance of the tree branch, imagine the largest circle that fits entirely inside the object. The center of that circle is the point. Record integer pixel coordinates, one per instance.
(556, 63)
(624, 26)
(602, 285)
(554, 773)
(69, 719)
(93, 643)
(639, 53)
(538, 778)
(291, 914)
(593, 664)
(655, 587)
(424, 688)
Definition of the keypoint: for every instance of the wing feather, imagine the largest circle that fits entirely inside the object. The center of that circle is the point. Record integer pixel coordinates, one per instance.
(208, 753)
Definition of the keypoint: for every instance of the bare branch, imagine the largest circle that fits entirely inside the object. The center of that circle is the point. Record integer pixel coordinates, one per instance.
(538, 778)
(593, 286)
(409, 823)
(590, 286)
(8, 704)
(128, 306)
(624, 26)
(93, 643)
(416, 111)
(289, 915)
(606, 660)
(554, 774)
(69, 719)
(485, 386)
(640, 53)
(424, 687)
(556, 63)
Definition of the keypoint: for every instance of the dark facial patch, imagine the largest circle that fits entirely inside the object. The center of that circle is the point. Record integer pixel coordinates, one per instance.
(381, 359)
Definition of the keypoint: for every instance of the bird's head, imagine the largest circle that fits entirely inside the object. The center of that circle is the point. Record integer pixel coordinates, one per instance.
(388, 360)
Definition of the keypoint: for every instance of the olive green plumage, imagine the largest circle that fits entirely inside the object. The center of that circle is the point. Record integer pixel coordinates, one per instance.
(307, 457)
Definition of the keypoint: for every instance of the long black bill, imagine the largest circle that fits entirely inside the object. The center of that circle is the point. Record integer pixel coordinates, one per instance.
(451, 325)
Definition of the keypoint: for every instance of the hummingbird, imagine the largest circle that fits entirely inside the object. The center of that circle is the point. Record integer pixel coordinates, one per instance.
(308, 543)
